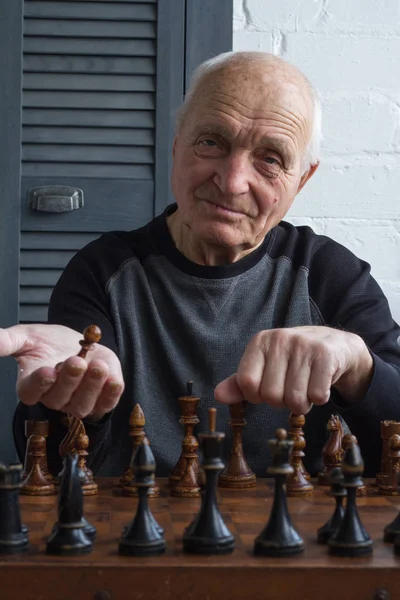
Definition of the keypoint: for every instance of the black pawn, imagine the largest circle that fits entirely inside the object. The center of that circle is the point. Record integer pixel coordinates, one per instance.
(339, 493)
(208, 534)
(351, 539)
(156, 525)
(13, 534)
(68, 537)
(279, 537)
(392, 531)
(143, 536)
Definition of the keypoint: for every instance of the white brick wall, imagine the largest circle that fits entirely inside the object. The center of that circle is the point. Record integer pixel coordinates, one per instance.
(350, 50)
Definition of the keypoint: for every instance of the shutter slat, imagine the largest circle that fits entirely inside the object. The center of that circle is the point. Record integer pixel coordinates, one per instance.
(110, 11)
(48, 240)
(93, 64)
(39, 277)
(56, 259)
(68, 82)
(35, 295)
(88, 118)
(32, 313)
(87, 154)
(88, 135)
(56, 99)
(99, 171)
(90, 29)
(92, 47)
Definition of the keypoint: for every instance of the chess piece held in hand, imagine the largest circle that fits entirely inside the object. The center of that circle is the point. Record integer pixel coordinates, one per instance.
(68, 537)
(208, 534)
(73, 442)
(279, 537)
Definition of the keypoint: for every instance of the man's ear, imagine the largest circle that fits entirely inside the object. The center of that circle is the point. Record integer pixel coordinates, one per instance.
(307, 175)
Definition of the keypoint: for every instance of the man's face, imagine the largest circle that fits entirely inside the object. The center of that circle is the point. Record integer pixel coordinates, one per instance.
(238, 157)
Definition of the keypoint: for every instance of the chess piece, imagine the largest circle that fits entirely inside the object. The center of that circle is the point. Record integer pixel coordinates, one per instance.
(38, 428)
(137, 422)
(391, 533)
(208, 534)
(351, 539)
(389, 484)
(89, 486)
(388, 428)
(237, 473)
(91, 335)
(347, 440)
(143, 536)
(37, 484)
(13, 534)
(279, 537)
(339, 493)
(68, 537)
(187, 486)
(297, 483)
(188, 405)
(332, 452)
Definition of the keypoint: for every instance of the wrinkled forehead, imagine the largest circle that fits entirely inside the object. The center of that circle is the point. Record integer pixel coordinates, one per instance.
(253, 92)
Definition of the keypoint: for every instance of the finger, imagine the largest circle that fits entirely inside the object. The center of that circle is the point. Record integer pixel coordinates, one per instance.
(228, 391)
(297, 380)
(68, 380)
(272, 387)
(84, 398)
(32, 387)
(320, 381)
(109, 397)
(250, 373)
(13, 340)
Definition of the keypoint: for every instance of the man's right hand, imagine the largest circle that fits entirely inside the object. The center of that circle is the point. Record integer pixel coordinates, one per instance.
(83, 387)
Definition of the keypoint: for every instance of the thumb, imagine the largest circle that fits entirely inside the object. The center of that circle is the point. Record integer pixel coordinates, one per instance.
(13, 341)
(228, 391)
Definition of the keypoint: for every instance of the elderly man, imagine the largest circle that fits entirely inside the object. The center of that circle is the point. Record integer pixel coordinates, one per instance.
(220, 290)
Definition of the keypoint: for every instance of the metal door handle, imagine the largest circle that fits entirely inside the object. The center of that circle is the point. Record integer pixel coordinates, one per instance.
(55, 199)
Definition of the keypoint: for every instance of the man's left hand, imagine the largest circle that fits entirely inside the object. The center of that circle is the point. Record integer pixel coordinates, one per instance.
(296, 368)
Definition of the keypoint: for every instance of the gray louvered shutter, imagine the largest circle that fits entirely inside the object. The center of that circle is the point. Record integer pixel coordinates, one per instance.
(88, 121)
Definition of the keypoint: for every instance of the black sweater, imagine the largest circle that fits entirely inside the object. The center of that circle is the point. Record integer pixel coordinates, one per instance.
(170, 320)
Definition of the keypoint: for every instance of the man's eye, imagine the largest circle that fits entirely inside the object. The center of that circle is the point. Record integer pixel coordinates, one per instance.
(270, 160)
(208, 142)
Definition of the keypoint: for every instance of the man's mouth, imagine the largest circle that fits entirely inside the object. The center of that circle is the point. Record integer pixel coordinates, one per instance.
(224, 210)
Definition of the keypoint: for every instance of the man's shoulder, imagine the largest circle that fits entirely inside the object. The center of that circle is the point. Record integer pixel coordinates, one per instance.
(308, 249)
(134, 243)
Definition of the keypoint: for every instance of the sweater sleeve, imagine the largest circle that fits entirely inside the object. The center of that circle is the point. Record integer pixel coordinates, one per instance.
(349, 298)
(79, 299)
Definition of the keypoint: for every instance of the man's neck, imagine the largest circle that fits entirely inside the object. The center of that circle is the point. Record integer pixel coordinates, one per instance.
(200, 252)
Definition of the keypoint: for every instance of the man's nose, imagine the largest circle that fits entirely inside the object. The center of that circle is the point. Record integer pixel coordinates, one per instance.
(232, 175)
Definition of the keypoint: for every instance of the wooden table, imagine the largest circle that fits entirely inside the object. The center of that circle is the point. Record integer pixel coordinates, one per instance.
(103, 575)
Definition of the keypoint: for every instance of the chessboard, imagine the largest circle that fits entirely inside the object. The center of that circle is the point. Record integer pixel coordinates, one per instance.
(104, 575)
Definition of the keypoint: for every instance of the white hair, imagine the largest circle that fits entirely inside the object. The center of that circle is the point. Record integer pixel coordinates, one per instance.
(312, 153)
